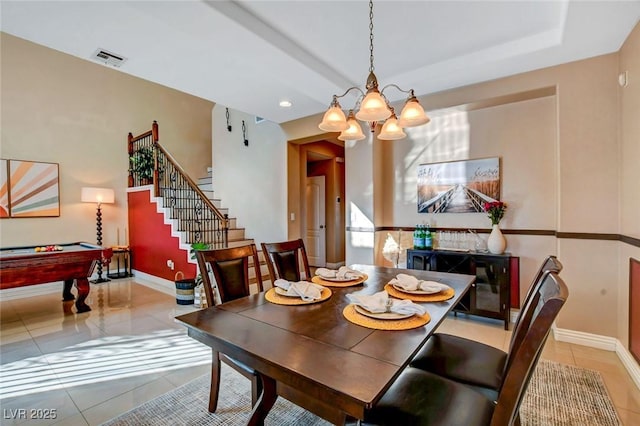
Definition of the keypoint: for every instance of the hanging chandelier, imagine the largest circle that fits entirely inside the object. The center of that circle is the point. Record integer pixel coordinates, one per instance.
(373, 107)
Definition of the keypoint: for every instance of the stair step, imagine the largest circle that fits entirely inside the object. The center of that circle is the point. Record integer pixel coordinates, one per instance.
(208, 194)
(182, 223)
(182, 212)
(204, 180)
(237, 234)
(239, 243)
(205, 186)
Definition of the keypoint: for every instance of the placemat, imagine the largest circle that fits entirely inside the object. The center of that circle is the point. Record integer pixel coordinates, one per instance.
(415, 321)
(318, 280)
(437, 297)
(274, 297)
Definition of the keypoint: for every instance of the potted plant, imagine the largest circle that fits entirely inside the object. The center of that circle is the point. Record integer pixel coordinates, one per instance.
(142, 164)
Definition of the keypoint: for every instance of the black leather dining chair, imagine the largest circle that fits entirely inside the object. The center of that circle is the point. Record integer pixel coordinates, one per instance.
(419, 397)
(230, 268)
(474, 363)
(287, 260)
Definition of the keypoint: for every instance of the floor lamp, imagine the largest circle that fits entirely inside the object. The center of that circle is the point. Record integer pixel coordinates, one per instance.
(99, 196)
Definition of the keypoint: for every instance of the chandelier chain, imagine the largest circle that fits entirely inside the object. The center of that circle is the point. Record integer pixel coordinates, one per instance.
(371, 68)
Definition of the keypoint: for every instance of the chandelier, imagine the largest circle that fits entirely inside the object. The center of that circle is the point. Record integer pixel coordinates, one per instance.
(373, 107)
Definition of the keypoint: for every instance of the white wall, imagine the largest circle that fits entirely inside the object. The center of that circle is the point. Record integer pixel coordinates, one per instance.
(359, 201)
(251, 180)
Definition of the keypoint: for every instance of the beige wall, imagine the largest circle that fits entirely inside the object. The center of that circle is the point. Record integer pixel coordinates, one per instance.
(61, 109)
(629, 98)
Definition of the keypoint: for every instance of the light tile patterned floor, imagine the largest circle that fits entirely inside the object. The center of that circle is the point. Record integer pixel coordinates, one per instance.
(91, 367)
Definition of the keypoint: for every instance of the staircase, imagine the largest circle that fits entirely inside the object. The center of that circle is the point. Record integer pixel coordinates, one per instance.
(236, 236)
(189, 206)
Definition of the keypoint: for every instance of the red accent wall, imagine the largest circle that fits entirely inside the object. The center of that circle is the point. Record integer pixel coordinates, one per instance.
(151, 242)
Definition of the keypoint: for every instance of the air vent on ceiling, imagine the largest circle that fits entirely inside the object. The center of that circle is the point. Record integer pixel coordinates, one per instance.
(108, 58)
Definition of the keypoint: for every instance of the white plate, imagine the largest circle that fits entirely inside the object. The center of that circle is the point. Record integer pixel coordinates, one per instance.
(423, 292)
(339, 280)
(283, 292)
(382, 315)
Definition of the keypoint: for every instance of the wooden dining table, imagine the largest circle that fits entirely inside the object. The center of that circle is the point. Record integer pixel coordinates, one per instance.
(311, 354)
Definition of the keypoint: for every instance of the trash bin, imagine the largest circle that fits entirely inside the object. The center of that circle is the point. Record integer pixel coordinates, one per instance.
(184, 289)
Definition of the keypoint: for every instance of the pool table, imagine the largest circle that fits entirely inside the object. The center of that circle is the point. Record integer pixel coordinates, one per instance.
(23, 266)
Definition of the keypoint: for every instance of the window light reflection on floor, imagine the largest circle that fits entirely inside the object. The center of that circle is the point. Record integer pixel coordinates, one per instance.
(100, 360)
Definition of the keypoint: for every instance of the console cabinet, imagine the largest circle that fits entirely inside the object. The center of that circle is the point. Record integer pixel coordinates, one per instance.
(497, 277)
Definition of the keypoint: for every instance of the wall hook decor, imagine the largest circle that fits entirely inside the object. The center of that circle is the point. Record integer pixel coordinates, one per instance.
(244, 134)
(228, 123)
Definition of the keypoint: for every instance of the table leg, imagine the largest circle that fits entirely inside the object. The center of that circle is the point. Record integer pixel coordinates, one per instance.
(82, 285)
(265, 402)
(66, 291)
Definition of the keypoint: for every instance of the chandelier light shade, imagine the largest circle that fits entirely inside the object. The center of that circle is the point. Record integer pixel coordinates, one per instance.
(391, 130)
(412, 114)
(334, 119)
(373, 107)
(354, 131)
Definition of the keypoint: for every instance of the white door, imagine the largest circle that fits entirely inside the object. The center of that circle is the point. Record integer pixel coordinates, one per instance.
(316, 240)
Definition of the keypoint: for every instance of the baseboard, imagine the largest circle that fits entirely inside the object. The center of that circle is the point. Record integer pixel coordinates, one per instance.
(585, 339)
(629, 363)
(601, 342)
(156, 283)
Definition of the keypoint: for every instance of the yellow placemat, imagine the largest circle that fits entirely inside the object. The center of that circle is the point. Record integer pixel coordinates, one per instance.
(414, 321)
(316, 279)
(274, 297)
(437, 297)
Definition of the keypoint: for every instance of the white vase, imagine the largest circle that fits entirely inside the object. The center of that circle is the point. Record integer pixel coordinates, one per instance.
(496, 242)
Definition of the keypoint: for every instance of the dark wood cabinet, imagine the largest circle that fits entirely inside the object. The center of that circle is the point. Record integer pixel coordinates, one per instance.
(497, 277)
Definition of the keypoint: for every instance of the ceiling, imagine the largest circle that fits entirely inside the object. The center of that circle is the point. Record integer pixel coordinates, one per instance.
(250, 55)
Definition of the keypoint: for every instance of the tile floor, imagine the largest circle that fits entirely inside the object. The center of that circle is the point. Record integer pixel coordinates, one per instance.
(83, 369)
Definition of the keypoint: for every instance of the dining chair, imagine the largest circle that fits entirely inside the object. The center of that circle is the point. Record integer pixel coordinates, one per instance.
(283, 260)
(418, 397)
(474, 363)
(230, 268)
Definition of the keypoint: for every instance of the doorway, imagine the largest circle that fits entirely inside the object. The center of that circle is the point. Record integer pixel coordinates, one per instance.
(316, 238)
(315, 158)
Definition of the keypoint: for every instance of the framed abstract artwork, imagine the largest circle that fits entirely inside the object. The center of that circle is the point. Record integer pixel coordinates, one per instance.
(29, 189)
(458, 186)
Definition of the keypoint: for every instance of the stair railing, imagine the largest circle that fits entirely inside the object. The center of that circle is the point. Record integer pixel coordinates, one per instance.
(198, 217)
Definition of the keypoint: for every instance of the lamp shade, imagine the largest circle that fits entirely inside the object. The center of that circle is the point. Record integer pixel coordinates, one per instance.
(334, 120)
(391, 130)
(354, 132)
(412, 114)
(373, 107)
(97, 195)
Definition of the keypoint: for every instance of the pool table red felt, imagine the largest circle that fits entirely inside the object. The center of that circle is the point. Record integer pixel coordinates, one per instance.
(23, 266)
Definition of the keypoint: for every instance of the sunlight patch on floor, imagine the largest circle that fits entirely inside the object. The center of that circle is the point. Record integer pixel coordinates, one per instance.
(103, 359)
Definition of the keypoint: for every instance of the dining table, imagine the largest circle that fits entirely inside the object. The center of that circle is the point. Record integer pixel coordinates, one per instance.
(311, 354)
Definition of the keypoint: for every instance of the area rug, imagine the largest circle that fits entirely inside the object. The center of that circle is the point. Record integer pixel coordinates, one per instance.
(558, 394)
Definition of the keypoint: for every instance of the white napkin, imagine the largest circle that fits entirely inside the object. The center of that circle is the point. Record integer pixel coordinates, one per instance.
(411, 283)
(344, 273)
(377, 303)
(304, 289)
